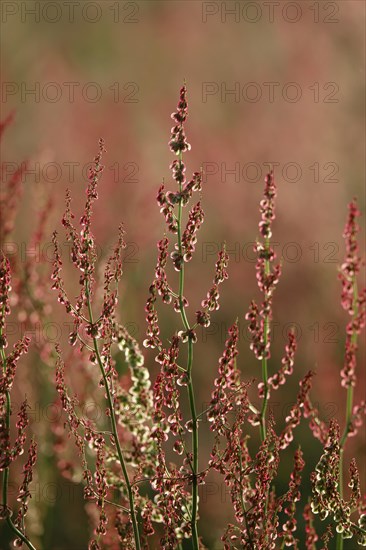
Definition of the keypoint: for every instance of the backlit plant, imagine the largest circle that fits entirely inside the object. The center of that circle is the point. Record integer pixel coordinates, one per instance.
(141, 460)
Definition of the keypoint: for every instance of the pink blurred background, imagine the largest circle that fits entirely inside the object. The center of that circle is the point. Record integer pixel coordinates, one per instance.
(135, 57)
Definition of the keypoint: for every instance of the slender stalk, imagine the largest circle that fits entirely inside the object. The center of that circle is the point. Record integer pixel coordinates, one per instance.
(349, 405)
(349, 410)
(191, 396)
(263, 412)
(250, 542)
(263, 429)
(6, 472)
(194, 447)
(339, 540)
(19, 534)
(115, 431)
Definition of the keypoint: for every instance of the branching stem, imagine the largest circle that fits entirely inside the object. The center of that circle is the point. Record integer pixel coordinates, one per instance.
(115, 430)
(349, 411)
(191, 396)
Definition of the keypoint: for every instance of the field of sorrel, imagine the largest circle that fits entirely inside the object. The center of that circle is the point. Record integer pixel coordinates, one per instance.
(131, 435)
(152, 418)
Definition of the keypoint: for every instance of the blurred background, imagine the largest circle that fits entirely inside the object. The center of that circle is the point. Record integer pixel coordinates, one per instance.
(279, 83)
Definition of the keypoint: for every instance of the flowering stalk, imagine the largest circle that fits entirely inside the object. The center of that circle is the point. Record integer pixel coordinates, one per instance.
(83, 254)
(351, 343)
(354, 304)
(264, 358)
(121, 459)
(192, 404)
(8, 453)
(327, 480)
(178, 144)
(326, 499)
(267, 279)
(172, 375)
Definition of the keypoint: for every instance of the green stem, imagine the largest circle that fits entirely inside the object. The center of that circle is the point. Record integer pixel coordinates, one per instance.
(349, 411)
(191, 397)
(19, 534)
(265, 399)
(339, 543)
(263, 412)
(115, 431)
(194, 447)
